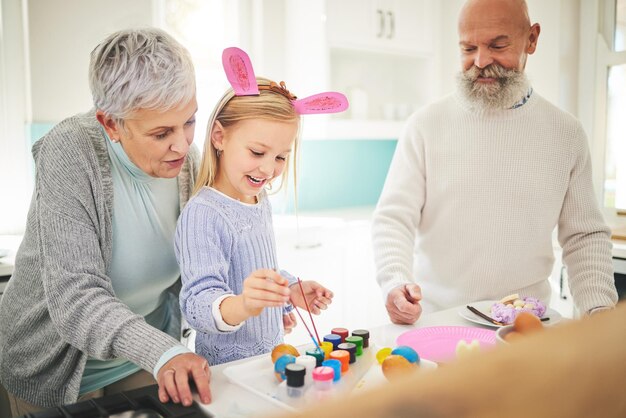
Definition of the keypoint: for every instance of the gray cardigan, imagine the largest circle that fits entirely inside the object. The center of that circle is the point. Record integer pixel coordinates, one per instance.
(59, 306)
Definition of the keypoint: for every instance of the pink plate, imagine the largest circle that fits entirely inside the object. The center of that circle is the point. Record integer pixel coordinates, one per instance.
(439, 343)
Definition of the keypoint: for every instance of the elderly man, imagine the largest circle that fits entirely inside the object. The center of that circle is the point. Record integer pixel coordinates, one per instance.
(481, 178)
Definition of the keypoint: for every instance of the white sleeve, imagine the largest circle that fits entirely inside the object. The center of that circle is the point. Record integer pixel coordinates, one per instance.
(398, 211)
(219, 319)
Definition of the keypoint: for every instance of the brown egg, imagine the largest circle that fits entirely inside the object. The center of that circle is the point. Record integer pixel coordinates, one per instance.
(281, 349)
(396, 365)
(527, 322)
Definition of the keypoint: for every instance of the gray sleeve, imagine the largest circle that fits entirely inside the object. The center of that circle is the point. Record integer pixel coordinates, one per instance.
(81, 302)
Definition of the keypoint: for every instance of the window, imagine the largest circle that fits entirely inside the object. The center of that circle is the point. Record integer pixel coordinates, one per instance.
(603, 69)
(619, 40)
(614, 28)
(206, 27)
(615, 159)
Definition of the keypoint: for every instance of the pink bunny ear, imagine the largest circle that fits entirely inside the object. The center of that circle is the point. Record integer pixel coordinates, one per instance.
(328, 102)
(239, 72)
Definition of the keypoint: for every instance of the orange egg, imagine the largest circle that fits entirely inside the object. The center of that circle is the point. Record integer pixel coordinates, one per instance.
(395, 365)
(527, 322)
(282, 349)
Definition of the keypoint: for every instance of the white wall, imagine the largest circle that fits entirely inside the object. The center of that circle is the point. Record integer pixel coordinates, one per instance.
(62, 33)
(15, 178)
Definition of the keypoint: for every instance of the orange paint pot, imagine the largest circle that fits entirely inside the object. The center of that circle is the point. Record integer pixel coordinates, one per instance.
(344, 358)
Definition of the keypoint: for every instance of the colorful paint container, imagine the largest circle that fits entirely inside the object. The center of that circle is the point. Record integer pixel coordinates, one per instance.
(363, 333)
(336, 365)
(323, 377)
(327, 347)
(358, 341)
(309, 363)
(342, 332)
(318, 354)
(295, 375)
(334, 339)
(350, 348)
(344, 357)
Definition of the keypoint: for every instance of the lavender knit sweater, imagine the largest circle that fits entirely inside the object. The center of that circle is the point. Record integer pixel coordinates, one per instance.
(219, 242)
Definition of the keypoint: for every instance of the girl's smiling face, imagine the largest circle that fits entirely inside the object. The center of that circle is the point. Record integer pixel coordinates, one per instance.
(253, 153)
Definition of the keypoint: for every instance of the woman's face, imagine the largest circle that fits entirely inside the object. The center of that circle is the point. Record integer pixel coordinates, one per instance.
(254, 152)
(155, 141)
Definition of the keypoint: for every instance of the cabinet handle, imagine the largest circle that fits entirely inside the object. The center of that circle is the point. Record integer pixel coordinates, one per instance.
(381, 23)
(392, 25)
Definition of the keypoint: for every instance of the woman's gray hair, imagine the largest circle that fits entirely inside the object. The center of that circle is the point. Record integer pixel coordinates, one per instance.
(140, 69)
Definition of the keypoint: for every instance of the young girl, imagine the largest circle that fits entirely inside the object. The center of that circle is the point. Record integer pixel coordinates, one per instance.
(232, 293)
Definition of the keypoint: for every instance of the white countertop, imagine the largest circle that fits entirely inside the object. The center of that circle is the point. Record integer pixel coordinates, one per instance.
(11, 243)
(231, 400)
(619, 248)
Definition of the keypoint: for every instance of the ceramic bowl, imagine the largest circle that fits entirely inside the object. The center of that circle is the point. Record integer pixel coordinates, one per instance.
(501, 334)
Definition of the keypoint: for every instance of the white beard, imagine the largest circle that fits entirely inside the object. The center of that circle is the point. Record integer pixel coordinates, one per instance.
(510, 87)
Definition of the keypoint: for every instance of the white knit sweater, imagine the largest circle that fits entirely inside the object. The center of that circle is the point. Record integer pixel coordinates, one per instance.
(472, 198)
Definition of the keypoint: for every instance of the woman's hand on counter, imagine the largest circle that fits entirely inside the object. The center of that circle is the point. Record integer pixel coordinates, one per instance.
(174, 376)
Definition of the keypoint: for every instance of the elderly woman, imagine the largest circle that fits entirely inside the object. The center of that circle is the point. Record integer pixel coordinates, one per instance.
(92, 308)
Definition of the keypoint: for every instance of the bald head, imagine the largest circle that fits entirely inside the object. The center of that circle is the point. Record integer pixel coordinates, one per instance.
(496, 31)
(513, 13)
(495, 38)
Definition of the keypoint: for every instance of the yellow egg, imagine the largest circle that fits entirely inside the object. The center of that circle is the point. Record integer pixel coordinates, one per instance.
(282, 349)
(382, 354)
(395, 366)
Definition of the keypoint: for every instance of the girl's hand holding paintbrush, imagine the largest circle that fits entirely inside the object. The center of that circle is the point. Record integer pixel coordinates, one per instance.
(317, 296)
(263, 288)
(289, 322)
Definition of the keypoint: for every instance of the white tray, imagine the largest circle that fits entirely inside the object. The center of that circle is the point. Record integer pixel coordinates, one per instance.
(257, 376)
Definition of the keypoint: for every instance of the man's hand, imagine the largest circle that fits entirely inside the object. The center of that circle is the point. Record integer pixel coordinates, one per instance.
(403, 304)
(173, 379)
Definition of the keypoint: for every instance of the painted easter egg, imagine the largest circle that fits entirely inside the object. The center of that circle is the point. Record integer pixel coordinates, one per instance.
(282, 349)
(396, 366)
(281, 363)
(382, 354)
(407, 352)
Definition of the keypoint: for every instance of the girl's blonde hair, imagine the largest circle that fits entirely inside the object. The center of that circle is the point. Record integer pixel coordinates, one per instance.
(230, 110)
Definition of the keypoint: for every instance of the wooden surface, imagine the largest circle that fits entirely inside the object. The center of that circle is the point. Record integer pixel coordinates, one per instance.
(618, 233)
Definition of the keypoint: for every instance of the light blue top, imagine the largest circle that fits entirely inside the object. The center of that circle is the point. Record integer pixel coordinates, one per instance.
(219, 242)
(143, 265)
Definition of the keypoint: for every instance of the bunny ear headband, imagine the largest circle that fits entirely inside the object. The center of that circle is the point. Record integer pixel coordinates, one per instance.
(240, 74)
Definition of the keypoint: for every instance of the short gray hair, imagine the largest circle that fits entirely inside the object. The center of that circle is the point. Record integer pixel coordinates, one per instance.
(140, 69)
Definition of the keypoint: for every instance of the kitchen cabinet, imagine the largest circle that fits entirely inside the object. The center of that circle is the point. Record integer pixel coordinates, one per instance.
(387, 25)
(379, 53)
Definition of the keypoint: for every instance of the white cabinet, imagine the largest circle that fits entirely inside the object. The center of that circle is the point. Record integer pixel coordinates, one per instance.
(398, 25)
(379, 53)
